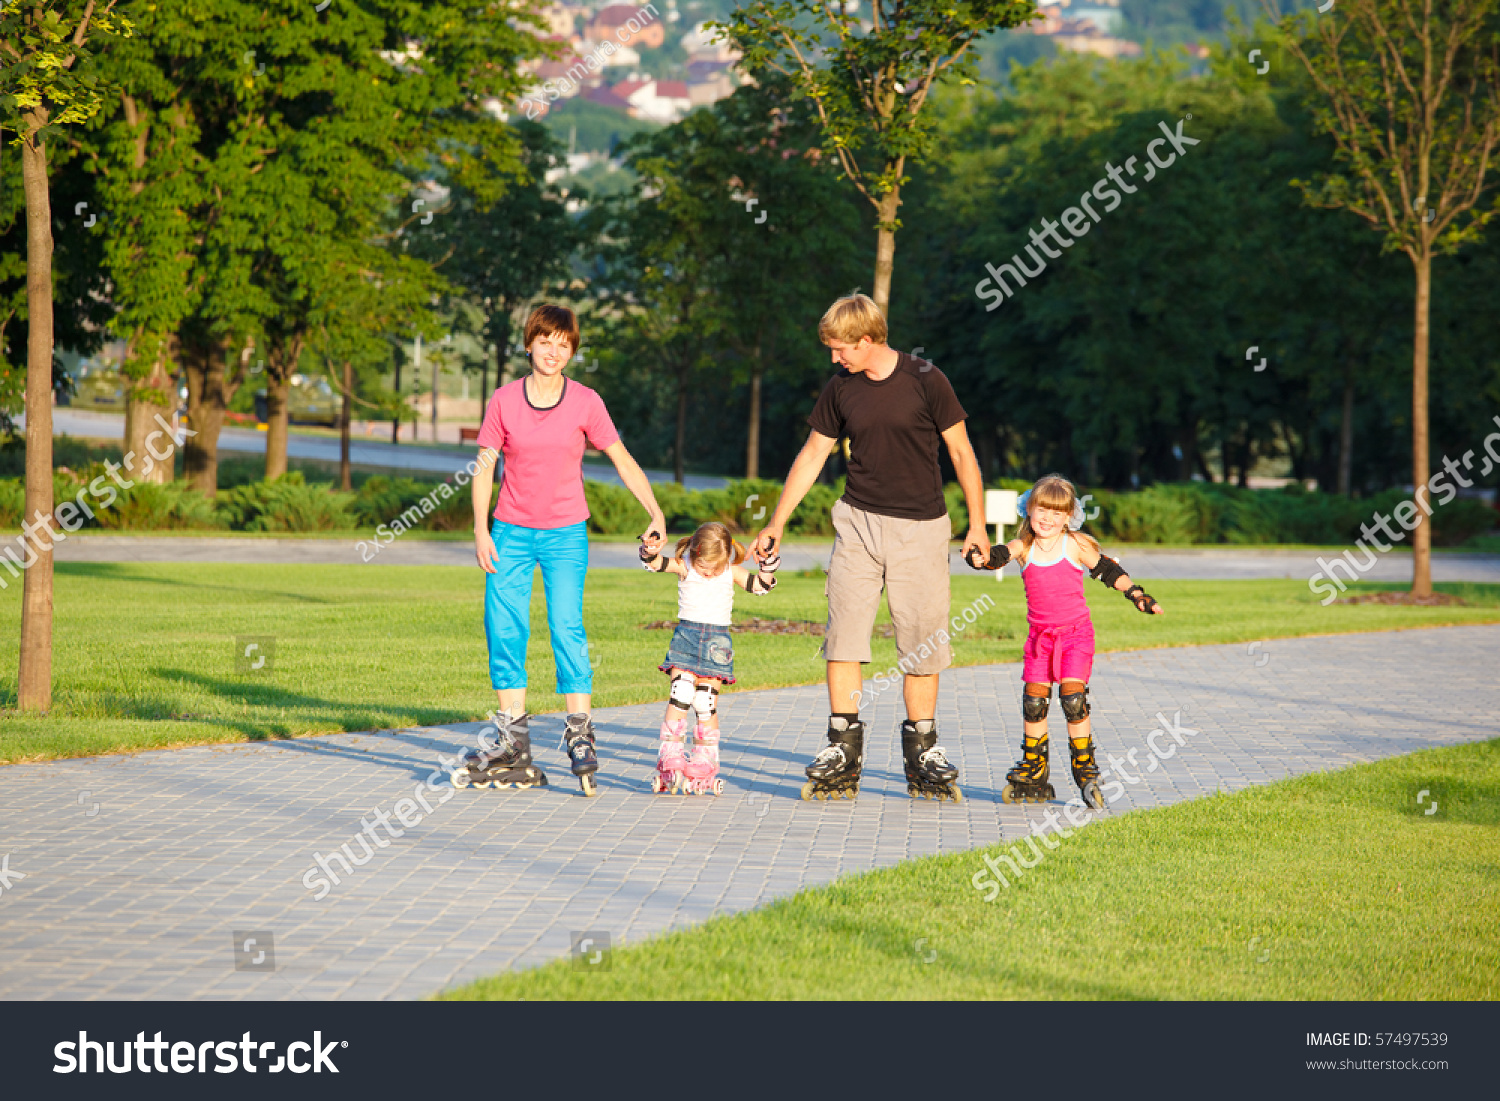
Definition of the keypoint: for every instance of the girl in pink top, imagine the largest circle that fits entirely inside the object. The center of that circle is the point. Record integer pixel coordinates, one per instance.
(1054, 556)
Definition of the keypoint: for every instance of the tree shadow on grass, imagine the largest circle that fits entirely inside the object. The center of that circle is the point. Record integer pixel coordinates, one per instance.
(117, 571)
(253, 691)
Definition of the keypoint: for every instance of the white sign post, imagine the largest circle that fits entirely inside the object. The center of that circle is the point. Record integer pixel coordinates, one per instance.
(1000, 510)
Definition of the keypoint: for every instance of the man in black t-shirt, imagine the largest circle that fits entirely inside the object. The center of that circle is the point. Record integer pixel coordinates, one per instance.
(891, 534)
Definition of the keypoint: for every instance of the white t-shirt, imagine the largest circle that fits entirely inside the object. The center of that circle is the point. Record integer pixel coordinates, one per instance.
(706, 599)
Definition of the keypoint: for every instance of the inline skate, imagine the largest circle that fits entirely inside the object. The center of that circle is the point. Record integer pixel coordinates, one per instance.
(671, 764)
(1028, 781)
(1086, 773)
(929, 775)
(834, 772)
(505, 762)
(578, 744)
(703, 767)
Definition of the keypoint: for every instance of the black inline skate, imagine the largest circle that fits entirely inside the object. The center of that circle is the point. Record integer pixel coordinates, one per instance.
(929, 775)
(578, 744)
(1027, 782)
(504, 763)
(834, 773)
(1086, 773)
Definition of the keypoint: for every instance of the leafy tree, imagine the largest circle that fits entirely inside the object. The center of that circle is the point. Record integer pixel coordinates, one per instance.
(48, 82)
(504, 253)
(695, 280)
(1410, 94)
(869, 80)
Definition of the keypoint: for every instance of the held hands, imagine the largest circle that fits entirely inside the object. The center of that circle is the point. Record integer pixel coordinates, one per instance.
(999, 556)
(767, 557)
(977, 546)
(650, 549)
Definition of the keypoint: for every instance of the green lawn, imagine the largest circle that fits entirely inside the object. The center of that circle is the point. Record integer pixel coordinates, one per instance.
(1330, 886)
(144, 653)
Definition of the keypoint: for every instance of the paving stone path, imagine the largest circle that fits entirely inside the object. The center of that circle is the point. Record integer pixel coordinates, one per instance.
(145, 875)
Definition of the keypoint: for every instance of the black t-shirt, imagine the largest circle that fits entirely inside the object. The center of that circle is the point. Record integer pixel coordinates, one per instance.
(895, 427)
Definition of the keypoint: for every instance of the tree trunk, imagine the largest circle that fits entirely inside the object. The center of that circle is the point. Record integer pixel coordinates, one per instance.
(396, 421)
(345, 483)
(752, 443)
(1346, 434)
(682, 401)
(208, 398)
(144, 437)
(34, 683)
(1421, 536)
(885, 250)
(276, 423)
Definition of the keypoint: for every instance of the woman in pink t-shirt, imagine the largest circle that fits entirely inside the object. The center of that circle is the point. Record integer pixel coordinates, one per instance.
(540, 423)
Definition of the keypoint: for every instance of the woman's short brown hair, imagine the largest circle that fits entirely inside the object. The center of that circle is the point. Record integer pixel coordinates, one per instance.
(546, 320)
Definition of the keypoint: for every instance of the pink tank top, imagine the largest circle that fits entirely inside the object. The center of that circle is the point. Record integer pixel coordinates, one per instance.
(1054, 587)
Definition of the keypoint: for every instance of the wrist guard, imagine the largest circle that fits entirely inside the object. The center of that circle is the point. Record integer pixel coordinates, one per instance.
(759, 584)
(1108, 571)
(1143, 601)
(656, 563)
(771, 563)
(999, 556)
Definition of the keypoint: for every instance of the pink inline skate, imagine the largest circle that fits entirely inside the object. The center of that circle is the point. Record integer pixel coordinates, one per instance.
(671, 764)
(703, 768)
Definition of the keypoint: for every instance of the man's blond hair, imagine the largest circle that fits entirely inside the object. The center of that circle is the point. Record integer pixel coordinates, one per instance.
(851, 318)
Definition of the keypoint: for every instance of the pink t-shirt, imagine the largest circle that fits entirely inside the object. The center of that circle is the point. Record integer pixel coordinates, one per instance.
(542, 484)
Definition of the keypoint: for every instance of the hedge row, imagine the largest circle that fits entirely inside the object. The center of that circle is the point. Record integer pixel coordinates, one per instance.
(1182, 513)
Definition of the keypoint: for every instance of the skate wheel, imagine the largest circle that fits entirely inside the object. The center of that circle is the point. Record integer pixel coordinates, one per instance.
(1007, 794)
(849, 793)
(586, 781)
(459, 779)
(718, 786)
(1091, 796)
(482, 784)
(955, 795)
(808, 792)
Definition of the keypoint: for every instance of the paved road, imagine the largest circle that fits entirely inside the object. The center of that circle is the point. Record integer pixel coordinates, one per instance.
(139, 870)
(1146, 565)
(87, 424)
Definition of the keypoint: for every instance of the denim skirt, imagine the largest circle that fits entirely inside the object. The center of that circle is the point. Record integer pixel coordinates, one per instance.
(704, 649)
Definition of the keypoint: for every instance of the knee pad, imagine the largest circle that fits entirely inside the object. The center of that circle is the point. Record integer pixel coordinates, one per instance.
(705, 703)
(1034, 708)
(682, 691)
(1075, 706)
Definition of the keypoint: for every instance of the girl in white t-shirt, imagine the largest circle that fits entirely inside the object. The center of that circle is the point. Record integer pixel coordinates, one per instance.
(701, 655)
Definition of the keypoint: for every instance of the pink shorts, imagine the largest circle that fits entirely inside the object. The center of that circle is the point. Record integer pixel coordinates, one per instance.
(1059, 653)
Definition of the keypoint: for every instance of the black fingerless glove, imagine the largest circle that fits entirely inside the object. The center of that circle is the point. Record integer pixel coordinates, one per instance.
(1143, 601)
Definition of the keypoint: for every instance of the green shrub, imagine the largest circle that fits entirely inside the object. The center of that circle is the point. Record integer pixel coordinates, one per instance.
(381, 499)
(1160, 514)
(286, 503)
(12, 502)
(812, 514)
(157, 506)
(613, 510)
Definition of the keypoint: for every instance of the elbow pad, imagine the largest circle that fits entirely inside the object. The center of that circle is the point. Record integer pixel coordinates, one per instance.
(1107, 571)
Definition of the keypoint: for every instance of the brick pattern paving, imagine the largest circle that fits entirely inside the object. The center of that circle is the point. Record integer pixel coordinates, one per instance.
(139, 871)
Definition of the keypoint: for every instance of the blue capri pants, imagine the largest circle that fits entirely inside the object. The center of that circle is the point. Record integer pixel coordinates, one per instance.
(563, 555)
